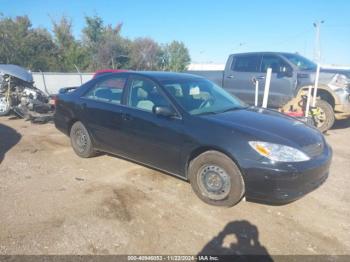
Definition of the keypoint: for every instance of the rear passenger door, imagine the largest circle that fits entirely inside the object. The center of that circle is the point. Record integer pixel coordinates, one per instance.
(238, 79)
(102, 112)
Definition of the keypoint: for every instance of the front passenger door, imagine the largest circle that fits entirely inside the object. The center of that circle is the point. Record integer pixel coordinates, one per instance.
(151, 139)
(283, 81)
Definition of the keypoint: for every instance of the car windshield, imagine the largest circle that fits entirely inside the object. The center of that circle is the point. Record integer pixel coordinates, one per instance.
(301, 62)
(200, 96)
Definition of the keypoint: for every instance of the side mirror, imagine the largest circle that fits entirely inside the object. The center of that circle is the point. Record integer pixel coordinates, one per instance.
(163, 111)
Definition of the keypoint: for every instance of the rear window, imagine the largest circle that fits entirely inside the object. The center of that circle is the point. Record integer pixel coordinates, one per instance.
(108, 90)
(246, 63)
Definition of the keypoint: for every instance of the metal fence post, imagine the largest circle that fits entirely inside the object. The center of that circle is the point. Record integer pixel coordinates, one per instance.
(267, 87)
(81, 77)
(316, 84)
(44, 82)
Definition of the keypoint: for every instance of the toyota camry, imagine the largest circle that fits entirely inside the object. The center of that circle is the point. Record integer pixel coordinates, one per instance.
(187, 126)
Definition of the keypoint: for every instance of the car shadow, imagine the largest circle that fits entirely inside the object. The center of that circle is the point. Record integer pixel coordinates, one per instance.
(240, 238)
(341, 124)
(8, 138)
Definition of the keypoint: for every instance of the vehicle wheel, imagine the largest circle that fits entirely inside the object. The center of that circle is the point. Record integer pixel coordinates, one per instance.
(323, 115)
(81, 141)
(216, 179)
(5, 105)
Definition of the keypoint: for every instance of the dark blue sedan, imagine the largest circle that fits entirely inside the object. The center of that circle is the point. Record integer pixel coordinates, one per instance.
(187, 126)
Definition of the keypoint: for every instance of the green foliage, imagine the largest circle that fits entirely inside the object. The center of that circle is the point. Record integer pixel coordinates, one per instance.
(145, 54)
(71, 53)
(176, 57)
(113, 50)
(23, 45)
(101, 46)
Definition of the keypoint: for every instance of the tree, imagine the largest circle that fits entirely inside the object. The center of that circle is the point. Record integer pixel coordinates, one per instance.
(12, 33)
(113, 51)
(92, 37)
(25, 46)
(63, 35)
(176, 57)
(101, 47)
(145, 54)
(93, 30)
(70, 52)
(41, 53)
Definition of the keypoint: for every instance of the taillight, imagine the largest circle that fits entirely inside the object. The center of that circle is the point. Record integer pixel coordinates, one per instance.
(53, 101)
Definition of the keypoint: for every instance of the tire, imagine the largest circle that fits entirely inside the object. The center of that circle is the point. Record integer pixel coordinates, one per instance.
(81, 141)
(5, 105)
(211, 167)
(324, 117)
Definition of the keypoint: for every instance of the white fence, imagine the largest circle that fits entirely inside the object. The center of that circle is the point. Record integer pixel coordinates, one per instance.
(51, 82)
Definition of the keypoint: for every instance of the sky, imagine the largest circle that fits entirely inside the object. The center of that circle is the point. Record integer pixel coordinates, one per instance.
(210, 29)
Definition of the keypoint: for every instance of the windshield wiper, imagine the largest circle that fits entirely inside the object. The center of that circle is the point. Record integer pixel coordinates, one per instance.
(207, 113)
(232, 109)
(223, 111)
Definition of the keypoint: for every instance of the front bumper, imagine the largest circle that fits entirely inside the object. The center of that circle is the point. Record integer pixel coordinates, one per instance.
(285, 182)
(342, 108)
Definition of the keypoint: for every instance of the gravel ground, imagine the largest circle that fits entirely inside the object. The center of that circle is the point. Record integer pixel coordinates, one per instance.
(53, 202)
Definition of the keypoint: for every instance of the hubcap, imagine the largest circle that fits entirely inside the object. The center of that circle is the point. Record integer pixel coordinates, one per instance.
(320, 117)
(80, 140)
(4, 104)
(214, 182)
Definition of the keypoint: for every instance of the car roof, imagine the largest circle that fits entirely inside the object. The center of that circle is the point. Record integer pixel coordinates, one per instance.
(265, 53)
(163, 76)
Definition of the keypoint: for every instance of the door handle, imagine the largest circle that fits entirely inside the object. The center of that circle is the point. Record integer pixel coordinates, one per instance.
(260, 77)
(127, 117)
(231, 76)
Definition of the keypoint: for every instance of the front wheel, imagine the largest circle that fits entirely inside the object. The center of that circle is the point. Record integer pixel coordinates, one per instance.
(5, 105)
(216, 179)
(323, 115)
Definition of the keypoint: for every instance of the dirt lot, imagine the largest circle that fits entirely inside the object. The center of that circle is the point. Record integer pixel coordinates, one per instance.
(53, 202)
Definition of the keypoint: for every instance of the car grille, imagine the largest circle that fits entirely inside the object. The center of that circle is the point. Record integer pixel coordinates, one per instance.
(314, 150)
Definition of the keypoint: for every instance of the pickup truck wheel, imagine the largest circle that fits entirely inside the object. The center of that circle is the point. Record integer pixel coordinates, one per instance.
(81, 141)
(5, 105)
(323, 115)
(216, 179)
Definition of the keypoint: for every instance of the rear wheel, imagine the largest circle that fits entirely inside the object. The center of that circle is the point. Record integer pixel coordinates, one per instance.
(323, 115)
(5, 105)
(216, 179)
(81, 141)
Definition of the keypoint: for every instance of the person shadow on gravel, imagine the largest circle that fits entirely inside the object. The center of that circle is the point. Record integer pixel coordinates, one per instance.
(8, 138)
(239, 238)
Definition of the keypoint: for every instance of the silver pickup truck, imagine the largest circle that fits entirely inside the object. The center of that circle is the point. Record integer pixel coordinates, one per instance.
(291, 76)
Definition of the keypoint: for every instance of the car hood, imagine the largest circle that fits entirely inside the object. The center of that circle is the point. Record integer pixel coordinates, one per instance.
(16, 71)
(270, 126)
(307, 77)
(336, 71)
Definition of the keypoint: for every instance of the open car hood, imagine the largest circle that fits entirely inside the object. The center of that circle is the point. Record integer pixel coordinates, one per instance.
(16, 71)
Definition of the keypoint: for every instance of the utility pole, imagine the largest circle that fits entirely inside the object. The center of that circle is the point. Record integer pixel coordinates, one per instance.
(317, 58)
(317, 49)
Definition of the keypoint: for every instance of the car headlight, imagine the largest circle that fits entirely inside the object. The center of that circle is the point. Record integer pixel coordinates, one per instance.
(280, 153)
(340, 80)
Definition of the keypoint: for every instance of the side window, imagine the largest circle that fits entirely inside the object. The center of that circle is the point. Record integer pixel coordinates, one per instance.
(144, 94)
(108, 90)
(274, 62)
(246, 63)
